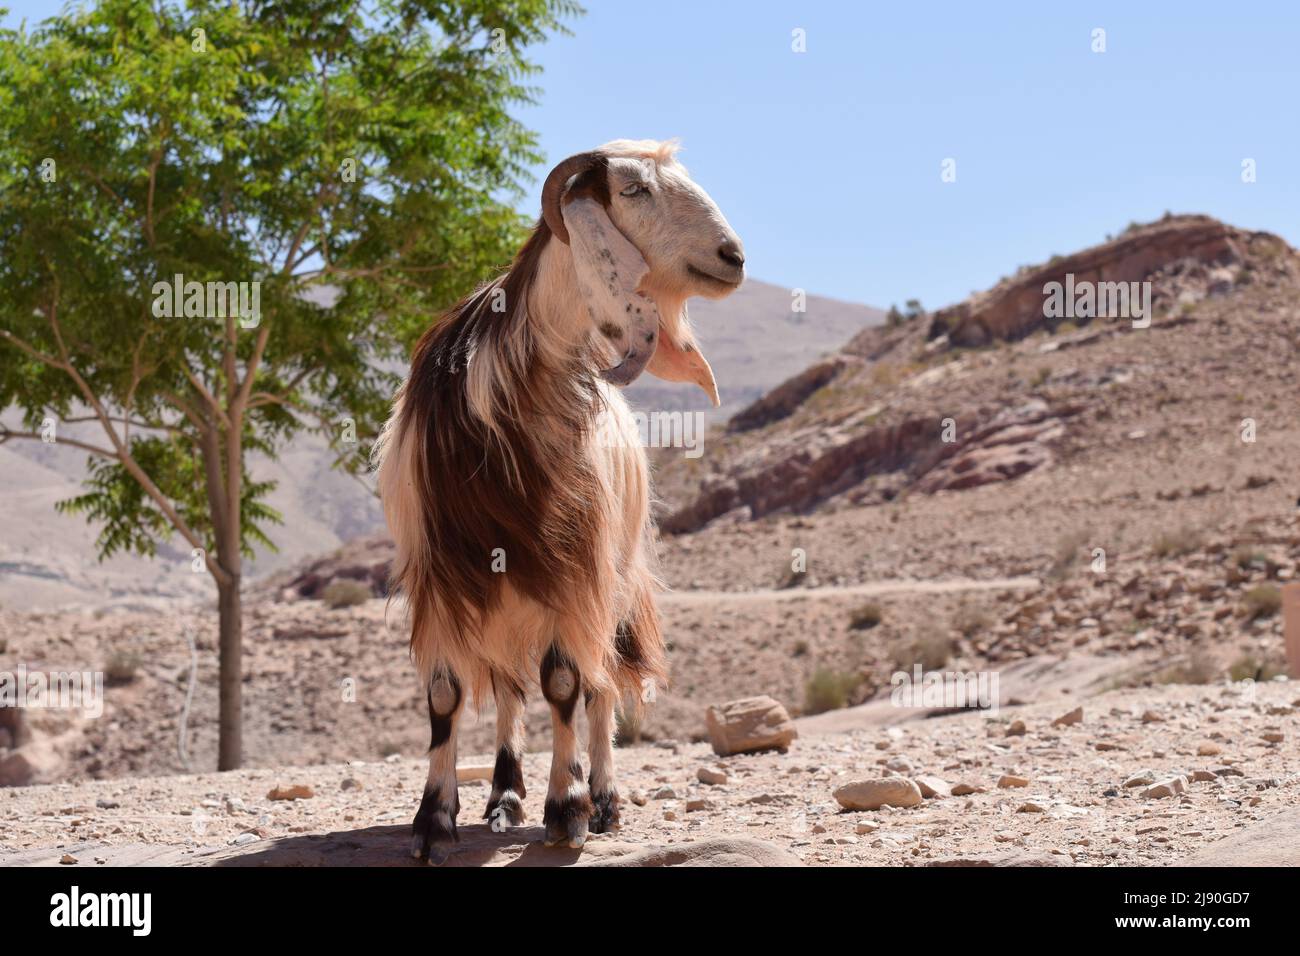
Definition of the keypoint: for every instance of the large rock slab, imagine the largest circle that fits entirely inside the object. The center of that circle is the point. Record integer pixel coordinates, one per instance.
(1005, 859)
(390, 846)
(1273, 842)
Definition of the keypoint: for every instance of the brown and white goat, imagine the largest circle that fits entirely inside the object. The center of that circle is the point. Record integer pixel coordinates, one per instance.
(516, 487)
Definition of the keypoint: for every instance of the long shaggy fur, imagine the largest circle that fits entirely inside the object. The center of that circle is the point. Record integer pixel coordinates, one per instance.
(504, 447)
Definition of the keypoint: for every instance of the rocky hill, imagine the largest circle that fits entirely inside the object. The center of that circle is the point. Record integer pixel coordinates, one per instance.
(992, 388)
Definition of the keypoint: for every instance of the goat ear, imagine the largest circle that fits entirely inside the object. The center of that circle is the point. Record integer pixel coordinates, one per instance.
(609, 271)
(678, 357)
(579, 167)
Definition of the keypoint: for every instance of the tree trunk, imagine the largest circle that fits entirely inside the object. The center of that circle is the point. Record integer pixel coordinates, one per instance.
(230, 650)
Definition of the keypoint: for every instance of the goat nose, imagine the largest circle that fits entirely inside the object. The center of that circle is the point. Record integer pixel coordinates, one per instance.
(732, 253)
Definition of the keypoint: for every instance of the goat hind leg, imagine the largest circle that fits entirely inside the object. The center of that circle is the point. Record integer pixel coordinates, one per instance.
(600, 748)
(434, 829)
(568, 804)
(505, 807)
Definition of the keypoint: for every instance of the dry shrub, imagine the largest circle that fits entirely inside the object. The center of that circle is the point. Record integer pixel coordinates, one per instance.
(932, 652)
(1175, 544)
(1262, 601)
(865, 617)
(122, 668)
(828, 689)
(344, 592)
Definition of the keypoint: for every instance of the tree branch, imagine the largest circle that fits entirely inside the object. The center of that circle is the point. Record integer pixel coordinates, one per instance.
(7, 433)
(123, 453)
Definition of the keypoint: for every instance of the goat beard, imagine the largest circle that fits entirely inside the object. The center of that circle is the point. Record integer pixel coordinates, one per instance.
(677, 356)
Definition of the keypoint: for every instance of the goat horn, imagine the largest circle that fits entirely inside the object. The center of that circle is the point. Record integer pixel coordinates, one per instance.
(553, 190)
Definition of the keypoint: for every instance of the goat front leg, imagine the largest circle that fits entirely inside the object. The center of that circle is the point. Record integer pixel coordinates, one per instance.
(568, 804)
(600, 748)
(434, 830)
(505, 807)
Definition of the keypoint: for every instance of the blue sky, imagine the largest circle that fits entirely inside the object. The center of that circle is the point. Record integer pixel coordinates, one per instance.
(828, 162)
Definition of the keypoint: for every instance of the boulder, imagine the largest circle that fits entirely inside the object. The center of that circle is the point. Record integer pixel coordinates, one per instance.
(36, 761)
(749, 725)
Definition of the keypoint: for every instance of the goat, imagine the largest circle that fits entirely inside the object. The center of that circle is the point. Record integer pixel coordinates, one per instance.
(516, 487)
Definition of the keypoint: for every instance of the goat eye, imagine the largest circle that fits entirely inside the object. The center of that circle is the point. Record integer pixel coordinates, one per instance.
(636, 189)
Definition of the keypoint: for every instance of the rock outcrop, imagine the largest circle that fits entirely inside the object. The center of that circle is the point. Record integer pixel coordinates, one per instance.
(366, 559)
(929, 453)
(1185, 258)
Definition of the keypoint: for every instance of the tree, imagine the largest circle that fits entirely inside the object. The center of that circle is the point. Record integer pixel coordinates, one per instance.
(912, 310)
(176, 181)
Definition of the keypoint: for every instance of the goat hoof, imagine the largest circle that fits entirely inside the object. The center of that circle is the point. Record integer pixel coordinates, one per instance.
(604, 814)
(566, 821)
(434, 831)
(505, 812)
(439, 853)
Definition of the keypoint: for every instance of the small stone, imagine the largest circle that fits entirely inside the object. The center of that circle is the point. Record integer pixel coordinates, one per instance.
(1151, 717)
(664, 793)
(697, 804)
(296, 792)
(1008, 781)
(900, 765)
(1143, 778)
(107, 804)
(711, 775)
(933, 786)
(881, 792)
(964, 790)
(1273, 737)
(1208, 748)
(244, 839)
(862, 829)
(1016, 729)
(1070, 719)
(1168, 788)
(68, 859)
(1030, 808)
(350, 784)
(670, 815)
(1203, 776)
(638, 798)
